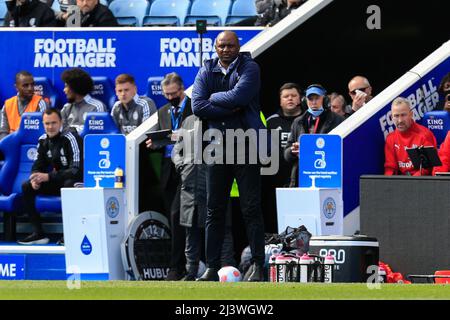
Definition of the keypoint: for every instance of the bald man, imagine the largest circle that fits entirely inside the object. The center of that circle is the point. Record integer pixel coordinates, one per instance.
(226, 97)
(360, 91)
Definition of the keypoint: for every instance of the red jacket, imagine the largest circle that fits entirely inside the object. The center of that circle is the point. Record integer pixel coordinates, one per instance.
(444, 155)
(397, 161)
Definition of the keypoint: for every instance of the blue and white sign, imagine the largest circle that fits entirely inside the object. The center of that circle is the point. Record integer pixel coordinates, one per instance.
(12, 267)
(320, 161)
(103, 153)
(145, 53)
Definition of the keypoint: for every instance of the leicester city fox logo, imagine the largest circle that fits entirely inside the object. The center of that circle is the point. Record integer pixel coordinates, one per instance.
(329, 207)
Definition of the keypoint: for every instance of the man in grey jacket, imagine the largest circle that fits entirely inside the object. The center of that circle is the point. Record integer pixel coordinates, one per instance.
(77, 86)
(131, 110)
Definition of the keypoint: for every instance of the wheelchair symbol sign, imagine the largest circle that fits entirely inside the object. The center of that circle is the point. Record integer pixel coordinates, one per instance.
(320, 163)
(104, 163)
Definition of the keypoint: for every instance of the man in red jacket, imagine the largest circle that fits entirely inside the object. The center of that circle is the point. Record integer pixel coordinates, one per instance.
(407, 134)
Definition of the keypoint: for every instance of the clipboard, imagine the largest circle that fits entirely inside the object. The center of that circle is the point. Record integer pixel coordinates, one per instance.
(161, 137)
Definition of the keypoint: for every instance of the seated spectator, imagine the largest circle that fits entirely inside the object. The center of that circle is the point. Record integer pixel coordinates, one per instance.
(360, 92)
(316, 119)
(193, 200)
(29, 13)
(444, 90)
(338, 105)
(91, 14)
(77, 86)
(58, 165)
(64, 5)
(407, 134)
(275, 11)
(24, 101)
(131, 110)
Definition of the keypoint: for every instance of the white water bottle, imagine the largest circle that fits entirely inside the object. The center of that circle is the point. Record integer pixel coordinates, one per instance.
(305, 267)
(328, 266)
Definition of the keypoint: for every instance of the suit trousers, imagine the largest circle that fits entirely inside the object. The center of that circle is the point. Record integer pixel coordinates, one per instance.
(219, 180)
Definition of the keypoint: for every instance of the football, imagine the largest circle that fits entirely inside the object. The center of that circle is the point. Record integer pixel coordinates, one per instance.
(229, 274)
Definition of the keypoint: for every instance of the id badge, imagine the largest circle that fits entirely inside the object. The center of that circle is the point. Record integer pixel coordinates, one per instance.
(168, 151)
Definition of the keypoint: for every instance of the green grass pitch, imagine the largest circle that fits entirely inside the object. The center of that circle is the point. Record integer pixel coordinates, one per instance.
(161, 290)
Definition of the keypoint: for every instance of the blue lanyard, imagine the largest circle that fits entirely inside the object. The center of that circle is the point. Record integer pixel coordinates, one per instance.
(176, 122)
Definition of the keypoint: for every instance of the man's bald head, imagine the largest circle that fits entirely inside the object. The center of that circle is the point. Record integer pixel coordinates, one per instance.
(227, 47)
(359, 83)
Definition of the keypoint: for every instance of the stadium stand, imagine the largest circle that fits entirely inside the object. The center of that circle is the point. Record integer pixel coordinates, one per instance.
(3, 12)
(167, 13)
(438, 122)
(56, 6)
(104, 91)
(129, 12)
(241, 9)
(20, 150)
(44, 88)
(214, 12)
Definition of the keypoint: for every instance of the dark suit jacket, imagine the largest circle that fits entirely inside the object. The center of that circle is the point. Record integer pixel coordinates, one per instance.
(168, 172)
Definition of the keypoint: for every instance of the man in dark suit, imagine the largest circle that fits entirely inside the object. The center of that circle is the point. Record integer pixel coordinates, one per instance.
(170, 116)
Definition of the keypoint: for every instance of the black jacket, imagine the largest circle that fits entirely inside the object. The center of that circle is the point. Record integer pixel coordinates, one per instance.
(31, 14)
(328, 120)
(61, 157)
(283, 125)
(100, 16)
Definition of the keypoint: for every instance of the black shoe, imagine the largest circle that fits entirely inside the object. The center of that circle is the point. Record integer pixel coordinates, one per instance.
(34, 238)
(60, 242)
(174, 275)
(209, 275)
(258, 273)
(189, 277)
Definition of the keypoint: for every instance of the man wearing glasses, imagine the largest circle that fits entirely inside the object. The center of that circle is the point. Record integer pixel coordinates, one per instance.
(171, 116)
(360, 91)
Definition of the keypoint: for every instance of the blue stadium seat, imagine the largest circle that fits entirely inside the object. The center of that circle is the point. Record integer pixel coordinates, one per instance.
(3, 11)
(99, 122)
(438, 122)
(48, 204)
(44, 88)
(241, 9)
(129, 12)
(56, 6)
(154, 91)
(167, 12)
(214, 12)
(104, 91)
(19, 149)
